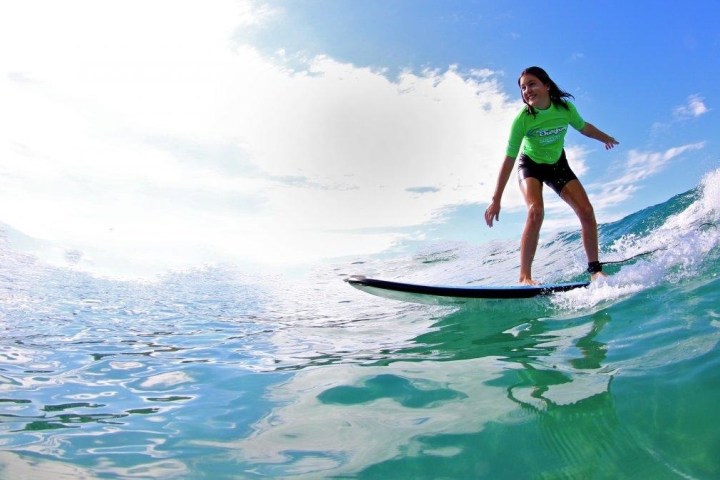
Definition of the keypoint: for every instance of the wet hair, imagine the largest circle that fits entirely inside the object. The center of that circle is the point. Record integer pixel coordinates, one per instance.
(557, 95)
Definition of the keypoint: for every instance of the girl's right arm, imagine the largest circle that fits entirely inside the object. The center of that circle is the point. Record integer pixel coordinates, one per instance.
(493, 210)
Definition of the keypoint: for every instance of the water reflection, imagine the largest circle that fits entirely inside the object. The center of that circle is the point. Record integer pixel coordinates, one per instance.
(347, 417)
(442, 398)
(564, 367)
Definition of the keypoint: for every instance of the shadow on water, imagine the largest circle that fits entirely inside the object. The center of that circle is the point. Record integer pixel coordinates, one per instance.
(566, 425)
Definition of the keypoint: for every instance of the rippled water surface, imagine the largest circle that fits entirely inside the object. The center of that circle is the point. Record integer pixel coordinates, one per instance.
(218, 373)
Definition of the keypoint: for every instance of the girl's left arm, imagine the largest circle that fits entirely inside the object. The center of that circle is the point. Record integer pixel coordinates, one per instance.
(591, 131)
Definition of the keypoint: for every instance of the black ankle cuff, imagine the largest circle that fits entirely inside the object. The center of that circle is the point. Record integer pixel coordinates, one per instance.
(594, 267)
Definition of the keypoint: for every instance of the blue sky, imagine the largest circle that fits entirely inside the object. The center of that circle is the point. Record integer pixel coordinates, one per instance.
(141, 136)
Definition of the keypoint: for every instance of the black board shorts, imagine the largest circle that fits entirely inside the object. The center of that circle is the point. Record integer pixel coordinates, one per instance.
(555, 175)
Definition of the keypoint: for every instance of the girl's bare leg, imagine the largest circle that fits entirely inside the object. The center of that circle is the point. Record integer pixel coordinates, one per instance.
(532, 191)
(574, 195)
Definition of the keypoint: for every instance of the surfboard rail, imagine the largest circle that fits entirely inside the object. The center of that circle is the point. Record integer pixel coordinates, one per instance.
(464, 291)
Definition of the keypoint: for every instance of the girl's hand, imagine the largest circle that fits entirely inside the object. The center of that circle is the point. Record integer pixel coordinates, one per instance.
(610, 143)
(492, 213)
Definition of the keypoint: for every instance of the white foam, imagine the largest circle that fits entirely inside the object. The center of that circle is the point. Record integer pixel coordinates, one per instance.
(677, 250)
(683, 242)
(599, 293)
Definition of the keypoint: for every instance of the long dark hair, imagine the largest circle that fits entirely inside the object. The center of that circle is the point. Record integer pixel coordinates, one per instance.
(557, 95)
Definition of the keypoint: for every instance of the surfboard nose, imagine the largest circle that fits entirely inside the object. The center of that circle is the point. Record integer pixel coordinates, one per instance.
(356, 278)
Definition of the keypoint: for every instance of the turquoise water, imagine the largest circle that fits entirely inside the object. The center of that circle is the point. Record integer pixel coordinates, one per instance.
(220, 373)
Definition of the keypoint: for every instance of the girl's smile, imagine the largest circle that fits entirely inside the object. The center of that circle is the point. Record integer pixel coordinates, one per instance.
(534, 92)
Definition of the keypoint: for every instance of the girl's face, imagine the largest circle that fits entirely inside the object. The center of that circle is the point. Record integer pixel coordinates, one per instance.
(534, 92)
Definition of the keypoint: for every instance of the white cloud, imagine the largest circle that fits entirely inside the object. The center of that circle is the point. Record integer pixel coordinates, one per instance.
(638, 167)
(139, 130)
(694, 107)
(606, 196)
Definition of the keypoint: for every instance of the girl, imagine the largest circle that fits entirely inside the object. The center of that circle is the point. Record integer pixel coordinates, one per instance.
(542, 125)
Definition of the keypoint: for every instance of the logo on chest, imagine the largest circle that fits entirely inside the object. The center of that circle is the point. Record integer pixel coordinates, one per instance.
(547, 135)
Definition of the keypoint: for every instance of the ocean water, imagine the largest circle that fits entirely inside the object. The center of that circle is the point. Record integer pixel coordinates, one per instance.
(219, 373)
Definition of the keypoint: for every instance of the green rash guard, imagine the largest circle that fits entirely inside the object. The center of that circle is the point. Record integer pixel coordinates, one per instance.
(544, 133)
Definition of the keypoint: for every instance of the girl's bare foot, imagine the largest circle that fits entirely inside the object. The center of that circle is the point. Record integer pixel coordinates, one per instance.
(597, 276)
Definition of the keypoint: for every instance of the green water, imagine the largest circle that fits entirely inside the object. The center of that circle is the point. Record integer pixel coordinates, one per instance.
(604, 395)
(220, 374)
